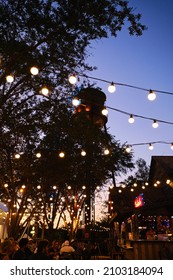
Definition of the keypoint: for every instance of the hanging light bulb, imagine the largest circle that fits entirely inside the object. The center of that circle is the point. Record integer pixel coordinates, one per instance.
(131, 119)
(104, 112)
(155, 124)
(38, 155)
(106, 152)
(151, 147)
(151, 95)
(76, 102)
(17, 156)
(128, 149)
(83, 153)
(10, 78)
(34, 70)
(72, 79)
(112, 88)
(61, 155)
(45, 91)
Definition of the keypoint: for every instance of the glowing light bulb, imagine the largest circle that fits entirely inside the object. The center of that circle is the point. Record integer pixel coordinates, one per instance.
(131, 119)
(83, 153)
(61, 155)
(112, 88)
(151, 147)
(151, 95)
(45, 91)
(155, 124)
(9, 78)
(72, 79)
(34, 70)
(106, 152)
(128, 149)
(76, 102)
(104, 112)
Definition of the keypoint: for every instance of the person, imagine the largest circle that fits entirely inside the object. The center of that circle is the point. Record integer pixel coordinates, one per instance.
(67, 251)
(6, 250)
(42, 251)
(54, 250)
(23, 253)
(150, 234)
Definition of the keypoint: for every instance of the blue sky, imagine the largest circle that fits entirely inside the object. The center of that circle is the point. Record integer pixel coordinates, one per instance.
(146, 62)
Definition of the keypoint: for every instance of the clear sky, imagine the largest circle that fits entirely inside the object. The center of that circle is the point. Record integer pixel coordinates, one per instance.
(147, 62)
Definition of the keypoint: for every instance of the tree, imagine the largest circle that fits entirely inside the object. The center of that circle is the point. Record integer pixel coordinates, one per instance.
(54, 36)
(141, 175)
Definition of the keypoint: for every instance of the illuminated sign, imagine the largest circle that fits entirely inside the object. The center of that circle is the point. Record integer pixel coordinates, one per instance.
(139, 201)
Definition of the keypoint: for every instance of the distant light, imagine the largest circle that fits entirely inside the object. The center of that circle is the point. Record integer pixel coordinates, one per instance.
(155, 124)
(76, 102)
(9, 78)
(38, 187)
(17, 156)
(106, 152)
(34, 70)
(131, 119)
(112, 88)
(72, 79)
(83, 153)
(151, 95)
(38, 155)
(62, 155)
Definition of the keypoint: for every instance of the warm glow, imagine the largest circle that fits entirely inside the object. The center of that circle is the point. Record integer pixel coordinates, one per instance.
(72, 79)
(61, 155)
(106, 152)
(128, 149)
(45, 91)
(34, 70)
(76, 102)
(104, 112)
(83, 153)
(17, 156)
(9, 78)
(38, 155)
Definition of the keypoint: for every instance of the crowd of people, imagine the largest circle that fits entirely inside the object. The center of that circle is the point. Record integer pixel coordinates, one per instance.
(43, 249)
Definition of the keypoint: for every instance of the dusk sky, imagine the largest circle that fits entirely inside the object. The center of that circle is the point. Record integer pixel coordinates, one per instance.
(146, 62)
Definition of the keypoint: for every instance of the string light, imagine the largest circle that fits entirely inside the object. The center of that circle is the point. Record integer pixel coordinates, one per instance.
(10, 78)
(112, 88)
(131, 119)
(45, 91)
(151, 95)
(72, 79)
(155, 124)
(150, 147)
(34, 70)
(104, 112)
(151, 92)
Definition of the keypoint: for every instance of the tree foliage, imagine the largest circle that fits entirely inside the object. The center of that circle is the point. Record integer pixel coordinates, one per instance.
(54, 36)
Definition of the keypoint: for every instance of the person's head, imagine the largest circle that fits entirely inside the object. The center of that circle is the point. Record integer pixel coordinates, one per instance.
(43, 246)
(23, 243)
(6, 247)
